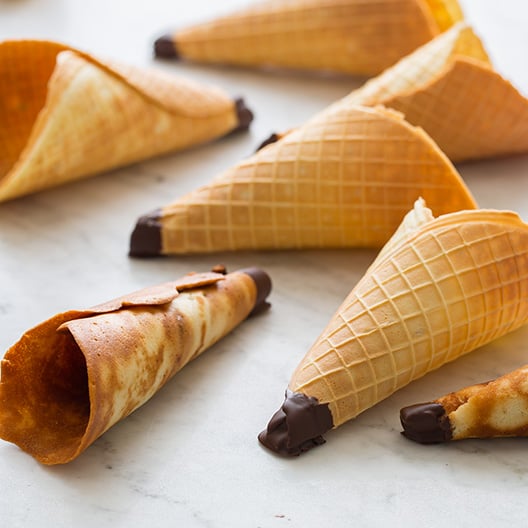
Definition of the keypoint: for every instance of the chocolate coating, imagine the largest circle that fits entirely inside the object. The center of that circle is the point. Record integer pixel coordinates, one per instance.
(145, 240)
(244, 115)
(426, 423)
(263, 283)
(165, 48)
(297, 426)
(273, 138)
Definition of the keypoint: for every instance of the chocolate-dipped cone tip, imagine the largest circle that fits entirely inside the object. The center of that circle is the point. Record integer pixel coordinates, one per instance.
(425, 423)
(297, 426)
(244, 115)
(165, 48)
(145, 240)
(263, 283)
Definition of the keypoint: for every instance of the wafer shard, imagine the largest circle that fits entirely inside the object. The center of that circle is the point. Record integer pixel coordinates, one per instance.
(497, 408)
(68, 380)
(449, 88)
(65, 115)
(439, 289)
(343, 181)
(346, 36)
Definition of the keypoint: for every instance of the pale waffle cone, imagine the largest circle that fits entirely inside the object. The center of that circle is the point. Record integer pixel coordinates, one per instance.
(65, 115)
(347, 36)
(456, 283)
(448, 88)
(346, 181)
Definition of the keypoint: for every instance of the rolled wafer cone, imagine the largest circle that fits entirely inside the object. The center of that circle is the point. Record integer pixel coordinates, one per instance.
(346, 36)
(498, 408)
(449, 88)
(69, 379)
(442, 288)
(345, 181)
(65, 115)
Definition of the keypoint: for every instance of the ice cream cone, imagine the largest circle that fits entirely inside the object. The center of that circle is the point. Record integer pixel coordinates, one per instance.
(498, 408)
(68, 380)
(449, 88)
(346, 36)
(346, 181)
(65, 115)
(443, 288)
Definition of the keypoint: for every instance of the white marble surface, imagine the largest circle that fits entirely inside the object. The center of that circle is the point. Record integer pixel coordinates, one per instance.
(190, 457)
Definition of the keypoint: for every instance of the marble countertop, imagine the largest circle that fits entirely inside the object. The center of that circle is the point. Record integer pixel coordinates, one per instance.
(190, 456)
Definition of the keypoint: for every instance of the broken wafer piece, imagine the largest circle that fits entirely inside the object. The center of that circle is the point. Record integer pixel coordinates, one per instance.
(65, 115)
(345, 181)
(439, 289)
(498, 408)
(449, 88)
(346, 36)
(69, 379)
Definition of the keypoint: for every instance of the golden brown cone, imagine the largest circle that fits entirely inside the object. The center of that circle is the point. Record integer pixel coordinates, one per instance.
(65, 115)
(345, 181)
(449, 88)
(346, 36)
(69, 379)
(458, 282)
(445, 287)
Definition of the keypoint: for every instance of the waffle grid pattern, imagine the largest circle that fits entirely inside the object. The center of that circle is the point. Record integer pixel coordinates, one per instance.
(351, 36)
(440, 88)
(347, 181)
(450, 291)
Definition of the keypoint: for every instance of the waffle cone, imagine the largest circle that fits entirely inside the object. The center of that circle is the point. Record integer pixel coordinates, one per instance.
(454, 284)
(498, 408)
(65, 115)
(449, 88)
(347, 36)
(346, 181)
(68, 380)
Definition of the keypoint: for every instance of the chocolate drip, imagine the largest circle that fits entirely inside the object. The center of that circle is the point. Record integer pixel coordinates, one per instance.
(297, 426)
(273, 138)
(165, 48)
(145, 240)
(426, 423)
(244, 115)
(263, 283)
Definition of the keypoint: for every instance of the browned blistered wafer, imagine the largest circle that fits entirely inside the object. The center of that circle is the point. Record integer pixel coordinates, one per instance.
(497, 408)
(69, 379)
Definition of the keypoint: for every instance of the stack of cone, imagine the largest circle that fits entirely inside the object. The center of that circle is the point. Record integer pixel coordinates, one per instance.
(65, 115)
(441, 289)
(347, 36)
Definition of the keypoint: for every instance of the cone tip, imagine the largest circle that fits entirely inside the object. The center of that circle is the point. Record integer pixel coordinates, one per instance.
(426, 423)
(165, 48)
(272, 138)
(297, 426)
(145, 240)
(244, 115)
(263, 284)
